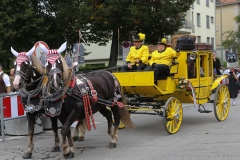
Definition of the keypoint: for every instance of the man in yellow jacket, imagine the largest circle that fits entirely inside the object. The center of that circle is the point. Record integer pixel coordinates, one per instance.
(162, 58)
(137, 58)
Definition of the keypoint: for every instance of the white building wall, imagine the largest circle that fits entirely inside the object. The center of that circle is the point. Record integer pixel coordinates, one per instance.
(204, 11)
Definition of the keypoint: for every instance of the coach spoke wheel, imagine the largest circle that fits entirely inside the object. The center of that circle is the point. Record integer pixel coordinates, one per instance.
(221, 102)
(173, 115)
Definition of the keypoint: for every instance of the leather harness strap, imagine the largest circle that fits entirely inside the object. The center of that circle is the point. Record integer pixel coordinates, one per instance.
(88, 112)
(92, 90)
(86, 101)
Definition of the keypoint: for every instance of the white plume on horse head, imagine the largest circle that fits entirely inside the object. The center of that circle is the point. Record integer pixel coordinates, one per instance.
(15, 53)
(43, 48)
(62, 48)
(30, 52)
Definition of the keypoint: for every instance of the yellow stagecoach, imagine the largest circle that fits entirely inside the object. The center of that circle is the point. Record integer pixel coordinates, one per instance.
(191, 80)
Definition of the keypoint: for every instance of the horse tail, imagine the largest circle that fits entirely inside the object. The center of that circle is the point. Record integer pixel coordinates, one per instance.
(125, 116)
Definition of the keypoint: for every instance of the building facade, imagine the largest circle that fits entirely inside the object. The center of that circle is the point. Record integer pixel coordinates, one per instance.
(226, 10)
(200, 21)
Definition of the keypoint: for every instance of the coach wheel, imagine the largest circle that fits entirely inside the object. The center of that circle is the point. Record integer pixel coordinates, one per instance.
(221, 102)
(173, 115)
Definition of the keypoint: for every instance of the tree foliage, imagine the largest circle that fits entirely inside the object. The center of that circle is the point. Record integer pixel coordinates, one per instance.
(103, 20)
(100, 21)
(22, 24)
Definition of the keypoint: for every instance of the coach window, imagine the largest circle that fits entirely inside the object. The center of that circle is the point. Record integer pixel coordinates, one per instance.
(191, 68)
(203, 66)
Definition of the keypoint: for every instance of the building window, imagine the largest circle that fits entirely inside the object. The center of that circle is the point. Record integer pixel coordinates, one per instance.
(192, 6)
(208, 40)
(198, 1)
(212, 42)
(199, 39)
(211, 0)
(207, 22)
(198, 20)
(212, 20)
(207, 3)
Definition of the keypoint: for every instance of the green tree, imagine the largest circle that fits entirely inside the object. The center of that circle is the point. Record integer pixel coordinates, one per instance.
(22, 24)
(100, 20)
(56, 21)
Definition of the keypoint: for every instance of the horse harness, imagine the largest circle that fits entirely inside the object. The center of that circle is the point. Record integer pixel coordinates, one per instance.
(30, 98)
(80, 88)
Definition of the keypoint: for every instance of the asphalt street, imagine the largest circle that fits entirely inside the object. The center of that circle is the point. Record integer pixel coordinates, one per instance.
(201, 136)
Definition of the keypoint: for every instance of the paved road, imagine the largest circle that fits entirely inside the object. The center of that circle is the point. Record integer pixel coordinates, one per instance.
(201, 136)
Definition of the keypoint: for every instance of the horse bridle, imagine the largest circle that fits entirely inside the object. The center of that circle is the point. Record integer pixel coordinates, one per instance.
(56, 71)
(24, 76)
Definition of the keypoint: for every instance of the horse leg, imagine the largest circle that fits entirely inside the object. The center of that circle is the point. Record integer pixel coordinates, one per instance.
(79, 130)
(117, 117)
(71, 144)
(108, 114)
(31, 122)
(56, 147)
(68, 150)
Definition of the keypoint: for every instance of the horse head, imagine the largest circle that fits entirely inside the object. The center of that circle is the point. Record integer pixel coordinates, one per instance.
(23, 68)
(55, 67)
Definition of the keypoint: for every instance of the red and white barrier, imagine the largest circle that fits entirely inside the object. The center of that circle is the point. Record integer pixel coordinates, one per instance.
(13, 107)
(224, 81)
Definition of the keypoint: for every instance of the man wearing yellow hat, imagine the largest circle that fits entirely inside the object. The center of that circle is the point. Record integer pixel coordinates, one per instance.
(162, 58)
(137, 58)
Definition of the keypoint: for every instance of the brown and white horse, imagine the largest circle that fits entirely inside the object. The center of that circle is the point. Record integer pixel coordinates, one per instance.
(28, 81)
(83, 96)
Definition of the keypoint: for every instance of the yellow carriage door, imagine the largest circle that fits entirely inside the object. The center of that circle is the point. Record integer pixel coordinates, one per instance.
(204, 76)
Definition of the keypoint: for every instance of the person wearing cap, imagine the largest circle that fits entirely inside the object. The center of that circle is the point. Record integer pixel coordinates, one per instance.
(216, 64)
(5, 85)
(137, 58)
(162, 58)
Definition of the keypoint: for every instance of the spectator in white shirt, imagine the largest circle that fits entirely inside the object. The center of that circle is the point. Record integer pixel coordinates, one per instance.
(5, 85)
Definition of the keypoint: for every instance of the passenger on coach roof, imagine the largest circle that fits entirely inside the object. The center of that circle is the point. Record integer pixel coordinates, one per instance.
(162, 59)
(137, 58)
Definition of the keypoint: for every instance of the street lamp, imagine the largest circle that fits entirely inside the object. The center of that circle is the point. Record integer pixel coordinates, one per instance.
(221, 1)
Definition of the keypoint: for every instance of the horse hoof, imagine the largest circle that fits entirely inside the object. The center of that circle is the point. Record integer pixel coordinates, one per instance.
(55, 149)
(112, 145)
(75, 138)
(81, 139)
(27, 155)
(69, 155)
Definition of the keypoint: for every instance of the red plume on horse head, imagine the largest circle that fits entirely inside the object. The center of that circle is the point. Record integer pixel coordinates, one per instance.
(22, 56)
(20, 76)
(53, 51)
(55, 54)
